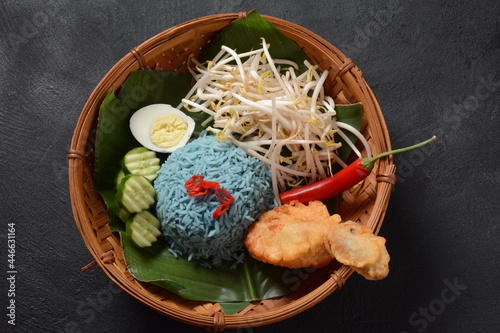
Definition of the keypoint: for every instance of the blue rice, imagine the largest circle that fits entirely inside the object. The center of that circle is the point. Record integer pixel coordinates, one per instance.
(187, 222)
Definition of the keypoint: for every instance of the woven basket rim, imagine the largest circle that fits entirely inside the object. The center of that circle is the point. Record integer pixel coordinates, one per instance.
(79, 161)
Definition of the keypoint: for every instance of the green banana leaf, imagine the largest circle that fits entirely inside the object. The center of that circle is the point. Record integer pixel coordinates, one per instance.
(232, 288)
(246, 34)
(113, 137)
(351, 114)
(252, 280)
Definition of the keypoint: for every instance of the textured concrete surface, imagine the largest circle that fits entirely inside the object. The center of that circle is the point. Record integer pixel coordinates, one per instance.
(434, 67)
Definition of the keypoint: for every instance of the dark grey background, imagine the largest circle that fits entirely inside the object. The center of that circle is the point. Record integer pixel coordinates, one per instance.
(434, 67)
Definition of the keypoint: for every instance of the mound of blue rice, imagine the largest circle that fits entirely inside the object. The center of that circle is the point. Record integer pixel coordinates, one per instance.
(187, 222)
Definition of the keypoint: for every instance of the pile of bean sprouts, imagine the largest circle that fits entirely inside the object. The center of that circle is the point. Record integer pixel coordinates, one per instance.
(273, 112)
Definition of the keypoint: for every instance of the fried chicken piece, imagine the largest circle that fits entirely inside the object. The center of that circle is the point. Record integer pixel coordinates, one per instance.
(292, 235)
(297, 235)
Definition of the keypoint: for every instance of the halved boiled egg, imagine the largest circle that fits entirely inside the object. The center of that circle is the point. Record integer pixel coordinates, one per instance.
(161, 127)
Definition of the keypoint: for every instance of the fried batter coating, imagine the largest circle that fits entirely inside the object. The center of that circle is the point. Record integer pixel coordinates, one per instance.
(355, 245)
(291, 235)
(297, 235)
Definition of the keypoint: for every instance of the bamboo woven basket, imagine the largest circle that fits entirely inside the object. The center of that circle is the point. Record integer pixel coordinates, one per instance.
(170, 50)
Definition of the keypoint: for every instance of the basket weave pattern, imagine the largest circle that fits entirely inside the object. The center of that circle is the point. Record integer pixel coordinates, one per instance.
(170, 50)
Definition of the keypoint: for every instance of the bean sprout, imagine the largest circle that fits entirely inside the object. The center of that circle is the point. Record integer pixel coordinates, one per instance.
(264, 107)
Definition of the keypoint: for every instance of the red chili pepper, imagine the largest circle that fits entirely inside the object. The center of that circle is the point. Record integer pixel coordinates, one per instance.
(198, 191)
(224, 196)
(209, 185)
(341, 181)
(197, 187)
(220, 210)
(193, 181)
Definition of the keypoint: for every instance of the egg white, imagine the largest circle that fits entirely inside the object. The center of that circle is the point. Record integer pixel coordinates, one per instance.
(142, 120)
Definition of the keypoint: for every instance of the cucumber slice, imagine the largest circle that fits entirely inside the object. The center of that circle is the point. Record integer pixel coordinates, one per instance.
(148, 222)
(124, 214)
(119, 177)
(135, 193)
(141, 161)
(145, 228)
(139, 239)
(138, 229)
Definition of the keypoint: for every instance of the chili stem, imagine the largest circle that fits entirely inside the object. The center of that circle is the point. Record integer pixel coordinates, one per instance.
(369, 162)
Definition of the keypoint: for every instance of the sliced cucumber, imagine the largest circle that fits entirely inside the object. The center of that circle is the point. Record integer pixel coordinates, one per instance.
(139, 239)
(137, 229)
(124, 214)
(141, 161)
(148, 222)
(119, 177)
(145, 228)
(135, 193)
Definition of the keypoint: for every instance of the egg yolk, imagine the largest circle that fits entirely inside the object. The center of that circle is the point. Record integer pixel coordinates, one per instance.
(168, 131)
